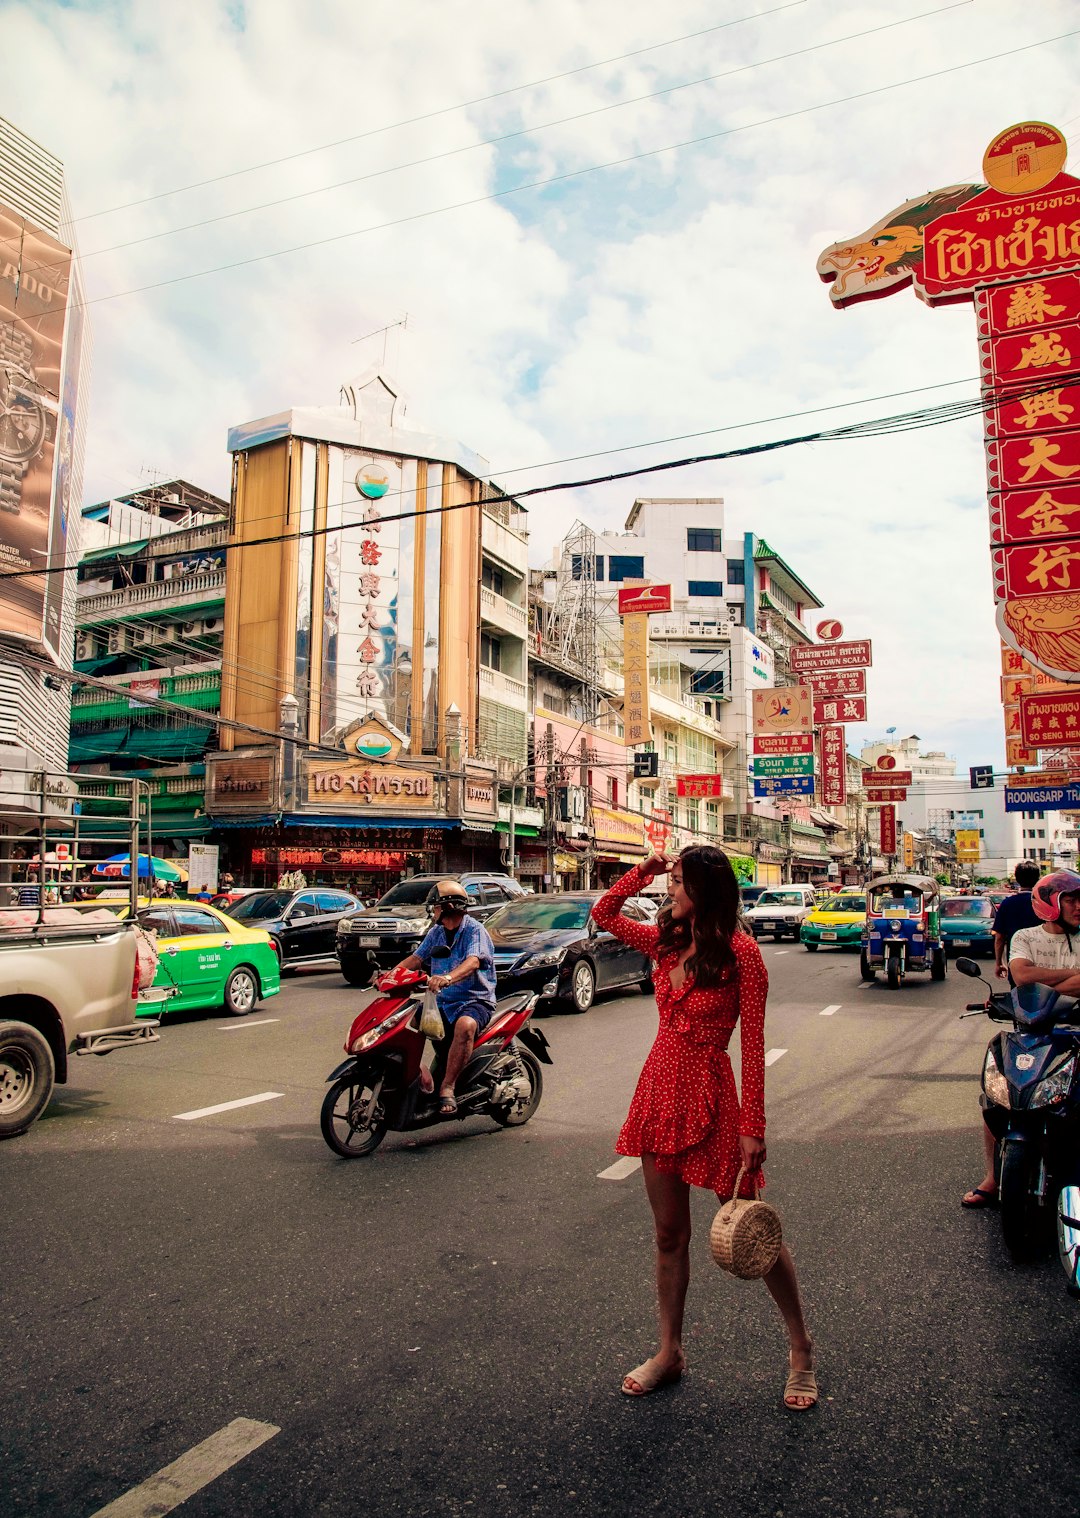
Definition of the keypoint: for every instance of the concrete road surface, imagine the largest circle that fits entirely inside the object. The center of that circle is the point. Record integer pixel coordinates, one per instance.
(214, 1314)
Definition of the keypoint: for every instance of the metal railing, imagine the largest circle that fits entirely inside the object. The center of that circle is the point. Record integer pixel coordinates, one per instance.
(155, 593)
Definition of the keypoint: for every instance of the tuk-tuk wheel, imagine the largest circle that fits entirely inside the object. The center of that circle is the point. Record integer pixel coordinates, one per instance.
(937, 964)
(894, 974)
(868, 973)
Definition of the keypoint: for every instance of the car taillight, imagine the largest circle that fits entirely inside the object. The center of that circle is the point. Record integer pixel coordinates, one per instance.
(135, 978)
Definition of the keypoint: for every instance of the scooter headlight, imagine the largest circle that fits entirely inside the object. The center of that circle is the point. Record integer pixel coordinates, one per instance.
(1054, 1088)
(994, 1083)
(372, 1036)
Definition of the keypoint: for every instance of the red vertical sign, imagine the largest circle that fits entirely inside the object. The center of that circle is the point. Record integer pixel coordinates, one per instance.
(833, 767)
(888, 830)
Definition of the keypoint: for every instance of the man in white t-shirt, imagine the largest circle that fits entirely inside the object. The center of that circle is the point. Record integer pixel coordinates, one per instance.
(1048, 955)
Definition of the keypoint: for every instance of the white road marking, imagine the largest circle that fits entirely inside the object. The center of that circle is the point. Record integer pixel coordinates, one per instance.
(245, 1101)
(773, 1055)
(781, 951)
(175, 1483)
(620, 1170)
(828, 1011)
(236, 1027)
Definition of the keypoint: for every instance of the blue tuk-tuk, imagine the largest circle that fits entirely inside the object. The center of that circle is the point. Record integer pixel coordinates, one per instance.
(902, 930)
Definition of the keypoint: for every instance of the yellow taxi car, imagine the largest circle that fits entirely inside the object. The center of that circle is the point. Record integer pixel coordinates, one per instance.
(835, 921)
(206, 959)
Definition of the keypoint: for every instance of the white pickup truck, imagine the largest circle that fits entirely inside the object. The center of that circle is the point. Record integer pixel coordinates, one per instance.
(67, 987)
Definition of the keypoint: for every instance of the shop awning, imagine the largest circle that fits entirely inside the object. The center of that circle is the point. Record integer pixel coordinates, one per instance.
(118, 551)
(364, 822)
(520, 830)
(180, 743)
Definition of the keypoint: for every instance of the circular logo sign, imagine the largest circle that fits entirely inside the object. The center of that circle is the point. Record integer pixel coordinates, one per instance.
(372, 745)
(372, 482)
(886, 762)
(829, 631)
(1024, 158)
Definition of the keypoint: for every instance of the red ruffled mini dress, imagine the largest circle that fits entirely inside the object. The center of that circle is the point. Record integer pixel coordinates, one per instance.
(686, 1109)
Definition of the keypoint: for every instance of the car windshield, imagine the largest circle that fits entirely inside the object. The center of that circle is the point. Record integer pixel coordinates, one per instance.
(966, 906)
(262, 904)
(541, 914)
(844, 904)
(779, 899)
(408, 893)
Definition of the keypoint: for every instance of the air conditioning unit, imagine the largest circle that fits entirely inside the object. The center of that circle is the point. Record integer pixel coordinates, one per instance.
(118, 640)
(736, 614)
(85, 646)
(143, 635)
(213, 625)
(190, 629)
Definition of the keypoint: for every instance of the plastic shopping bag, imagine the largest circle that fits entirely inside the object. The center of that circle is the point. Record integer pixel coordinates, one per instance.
(431, 1021)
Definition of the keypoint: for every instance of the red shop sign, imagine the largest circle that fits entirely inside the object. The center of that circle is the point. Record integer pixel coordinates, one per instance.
(841, 682)
(1033, 358)
(1038, 459)
(1035, 303)
(783, 743)
(1024, 570)
(1049, 411)
(833, 777)
(1050, 511)
(814, 656)
(996, 238)
(840, 709)
(888, 830)
(1051, 720)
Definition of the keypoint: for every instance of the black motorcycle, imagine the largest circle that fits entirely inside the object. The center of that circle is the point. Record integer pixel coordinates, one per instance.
(1031, 1103)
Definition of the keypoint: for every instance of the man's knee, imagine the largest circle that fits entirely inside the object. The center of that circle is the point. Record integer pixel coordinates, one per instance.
(465, 1029)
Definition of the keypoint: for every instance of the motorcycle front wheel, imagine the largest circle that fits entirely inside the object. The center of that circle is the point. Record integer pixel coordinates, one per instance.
(893, 972)
(1019, 1210)
(516, 1113)
(349, 1124)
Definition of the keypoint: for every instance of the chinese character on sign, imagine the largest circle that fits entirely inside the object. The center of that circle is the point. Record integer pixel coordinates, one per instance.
(1044, 349)
(370, 552)
(372, 519)
(369, 584)
(368, 684)
(369, 651)
(1042, 456)
(370, 616)
(1032, 407)
(1030, 304)
(1048, 515)
(1051, 566)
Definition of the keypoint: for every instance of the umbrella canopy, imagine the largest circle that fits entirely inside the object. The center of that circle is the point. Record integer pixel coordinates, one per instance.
(119, 866)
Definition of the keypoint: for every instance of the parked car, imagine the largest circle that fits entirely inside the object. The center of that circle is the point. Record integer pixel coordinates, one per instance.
(967, 924)
(780, 910)
(751, 894)
(836, 921)
(550, 944)
(302, 924)
(207, 960)
(391, 929)
(226, 900)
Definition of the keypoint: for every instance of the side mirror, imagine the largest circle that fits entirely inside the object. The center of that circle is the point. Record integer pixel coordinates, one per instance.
(969, 967)
(592, 929)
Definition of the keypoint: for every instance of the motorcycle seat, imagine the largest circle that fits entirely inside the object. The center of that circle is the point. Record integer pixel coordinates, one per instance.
(511, 1003)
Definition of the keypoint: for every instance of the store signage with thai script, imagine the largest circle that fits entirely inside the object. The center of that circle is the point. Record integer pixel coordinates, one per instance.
(842, 682)
(348, 783)
(796, 785)
(806, 657)
(644, 598)
(237, 785)
(886, 777)
(624, 828)
(833, 781)
(785, 709)
(345, 859)
(699, 785)
(1051, 720)
(840, 709)
(783, 743)
(783, 764)
(479, 795)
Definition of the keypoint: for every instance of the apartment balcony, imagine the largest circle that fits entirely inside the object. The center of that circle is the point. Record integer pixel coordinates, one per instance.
(185, 592)
(503, 615)
(198, 692)
(503, 545)
(495, 686)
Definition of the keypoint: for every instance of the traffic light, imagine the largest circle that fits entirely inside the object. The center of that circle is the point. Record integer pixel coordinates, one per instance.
(646, 765)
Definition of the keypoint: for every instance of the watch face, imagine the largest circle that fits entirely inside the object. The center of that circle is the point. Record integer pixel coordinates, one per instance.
(22, 416)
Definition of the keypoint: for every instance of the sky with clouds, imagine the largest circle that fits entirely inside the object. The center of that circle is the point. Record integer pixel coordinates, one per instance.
(660, 282)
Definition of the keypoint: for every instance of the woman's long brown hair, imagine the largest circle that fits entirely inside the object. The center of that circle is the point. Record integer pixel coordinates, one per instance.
(710, 883)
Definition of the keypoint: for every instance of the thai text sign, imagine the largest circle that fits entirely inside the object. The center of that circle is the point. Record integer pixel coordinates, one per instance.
(786, 709)
(840, 709)
(783, 743)
(1051, 720)
(357, 859)
(636, 725)
(844, 682)
(833, 766)
(699, 785)
(800, 785)
(1020, 797)
(814, 656)
(886, 777)
(346, 783)
(624, 828)
(644, 598)
(783, 764)
(888, 830)
(995, 238)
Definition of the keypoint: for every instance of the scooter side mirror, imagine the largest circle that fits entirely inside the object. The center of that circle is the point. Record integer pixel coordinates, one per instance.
(969, 967)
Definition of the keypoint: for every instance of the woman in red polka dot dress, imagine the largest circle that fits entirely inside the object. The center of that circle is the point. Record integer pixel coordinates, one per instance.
(685, 1120)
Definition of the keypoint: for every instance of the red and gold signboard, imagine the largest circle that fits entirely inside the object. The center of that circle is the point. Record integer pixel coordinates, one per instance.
(699, 785)
(883, 776)
(880, 793)
(806, 657)
(644, 598)
(658, 829)
(637, 726)
(1043, 302)
(888, 830)
(840, 709)
(1017, 753)
(1035, 461)
(1051, 720)
(783, 743)
(1032, 358)
(1050, 409)
(844, 682)
(833, 767)
(1031, 570)
(1049, 512)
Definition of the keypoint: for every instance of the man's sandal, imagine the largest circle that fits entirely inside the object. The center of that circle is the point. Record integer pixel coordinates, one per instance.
(979, 1197)
(447, 1106)
(800, 1383)
(643, 1381)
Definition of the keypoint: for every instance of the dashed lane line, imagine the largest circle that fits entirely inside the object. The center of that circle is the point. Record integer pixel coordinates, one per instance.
(262, 1022)
(620, 1170)
(244, 1101)
(175, 1483)
(781, 951)
(828, 1011)
(773, 1055)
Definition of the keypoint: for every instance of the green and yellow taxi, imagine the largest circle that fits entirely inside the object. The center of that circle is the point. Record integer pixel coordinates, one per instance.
(206, 960)
(836, 921)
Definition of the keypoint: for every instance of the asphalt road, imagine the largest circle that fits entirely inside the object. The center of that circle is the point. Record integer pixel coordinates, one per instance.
(442, 1328)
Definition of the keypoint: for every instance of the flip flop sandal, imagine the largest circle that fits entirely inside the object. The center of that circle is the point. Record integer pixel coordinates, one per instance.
(447, 1106)
(985, 1198)
(649, 1381)
(801, 1383)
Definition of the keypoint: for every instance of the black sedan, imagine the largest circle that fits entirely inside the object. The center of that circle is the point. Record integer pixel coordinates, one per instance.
(302, 924)
(550, 944)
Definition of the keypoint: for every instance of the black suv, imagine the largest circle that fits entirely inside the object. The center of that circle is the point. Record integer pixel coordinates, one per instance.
(301, 924)
(391, 929)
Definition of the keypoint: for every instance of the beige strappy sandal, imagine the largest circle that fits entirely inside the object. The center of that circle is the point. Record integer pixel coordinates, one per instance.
(800, 1383)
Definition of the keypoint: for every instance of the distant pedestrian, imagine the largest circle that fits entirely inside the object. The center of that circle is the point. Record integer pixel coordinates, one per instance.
(1014, 913)
(685, 1120)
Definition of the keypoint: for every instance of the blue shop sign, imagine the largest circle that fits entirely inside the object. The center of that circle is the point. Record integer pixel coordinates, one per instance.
(799, 785)
(1042, 798)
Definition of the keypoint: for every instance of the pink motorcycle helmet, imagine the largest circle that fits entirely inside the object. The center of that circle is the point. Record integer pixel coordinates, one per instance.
(1046, 893)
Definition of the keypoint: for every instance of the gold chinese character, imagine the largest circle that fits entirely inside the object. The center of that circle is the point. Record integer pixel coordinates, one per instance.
(1047, 515)
(1053, 564)
(1043, 350)
(1042, 455)
(1030, 304)
(1032, 407)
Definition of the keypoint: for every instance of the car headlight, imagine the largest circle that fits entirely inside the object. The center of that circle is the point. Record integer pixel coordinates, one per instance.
(348, 924)
(994, 1083)
(544, 957)
(1054, 1088)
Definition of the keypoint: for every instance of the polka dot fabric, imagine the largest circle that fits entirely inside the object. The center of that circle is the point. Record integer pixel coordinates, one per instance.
(686, 1108)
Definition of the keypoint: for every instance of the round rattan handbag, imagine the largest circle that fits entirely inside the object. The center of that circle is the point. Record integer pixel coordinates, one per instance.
(745, 1237)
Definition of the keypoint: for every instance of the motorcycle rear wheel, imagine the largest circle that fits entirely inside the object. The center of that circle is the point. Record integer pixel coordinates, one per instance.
(345, 1136)
(514, 1115)
(1020, 1220)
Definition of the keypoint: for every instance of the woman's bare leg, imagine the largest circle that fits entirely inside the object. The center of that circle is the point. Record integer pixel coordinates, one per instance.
(783, 1287)
(669, 1197)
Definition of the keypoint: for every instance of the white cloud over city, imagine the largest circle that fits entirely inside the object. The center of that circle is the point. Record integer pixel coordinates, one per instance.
(669, 295)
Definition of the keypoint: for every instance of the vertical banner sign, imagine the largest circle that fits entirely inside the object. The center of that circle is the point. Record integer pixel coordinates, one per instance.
(909, 851)
(888, 830)
(833, 767)
(637, 727)
(35, 273)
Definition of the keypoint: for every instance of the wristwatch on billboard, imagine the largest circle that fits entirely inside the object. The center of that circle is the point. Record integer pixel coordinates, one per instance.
(23, 418)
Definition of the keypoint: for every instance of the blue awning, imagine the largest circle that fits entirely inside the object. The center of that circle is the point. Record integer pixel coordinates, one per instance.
(365, 821)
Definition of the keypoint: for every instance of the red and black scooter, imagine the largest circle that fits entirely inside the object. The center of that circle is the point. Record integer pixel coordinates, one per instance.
(378, 1087)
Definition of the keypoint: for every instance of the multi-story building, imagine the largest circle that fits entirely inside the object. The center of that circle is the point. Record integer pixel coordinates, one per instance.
(44, 370)
(375, 611)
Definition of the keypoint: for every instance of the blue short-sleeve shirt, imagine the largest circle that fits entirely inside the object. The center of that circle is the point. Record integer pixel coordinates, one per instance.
(475, 995)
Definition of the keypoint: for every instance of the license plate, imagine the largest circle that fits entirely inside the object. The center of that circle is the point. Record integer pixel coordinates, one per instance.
(367, 942)
(962, 943)
(828, 935)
